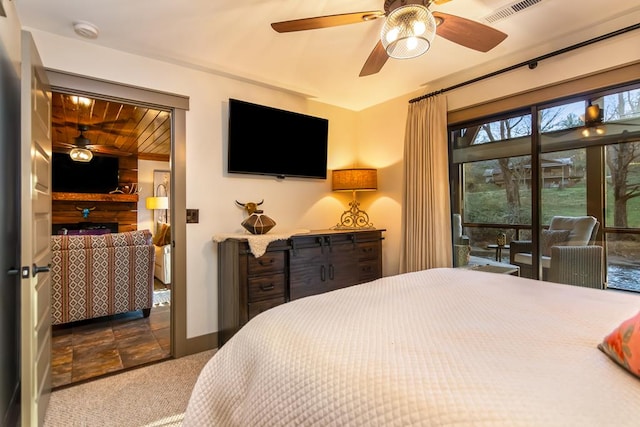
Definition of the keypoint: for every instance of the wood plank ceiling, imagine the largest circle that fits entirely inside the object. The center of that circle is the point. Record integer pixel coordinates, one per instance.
(112, 128)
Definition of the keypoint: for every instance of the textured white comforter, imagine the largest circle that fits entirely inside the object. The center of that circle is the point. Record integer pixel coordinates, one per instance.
(438, 347)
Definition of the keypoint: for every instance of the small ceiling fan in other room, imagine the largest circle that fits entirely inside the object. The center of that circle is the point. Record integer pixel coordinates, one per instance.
(408, 30)
(82, 149)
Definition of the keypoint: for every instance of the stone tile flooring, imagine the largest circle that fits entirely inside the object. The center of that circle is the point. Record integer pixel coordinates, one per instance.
(92, 348)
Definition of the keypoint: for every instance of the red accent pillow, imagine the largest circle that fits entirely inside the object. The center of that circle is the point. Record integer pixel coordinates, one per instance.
(623, 345)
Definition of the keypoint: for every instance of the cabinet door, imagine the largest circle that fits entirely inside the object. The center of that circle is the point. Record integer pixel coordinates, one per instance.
(308, 271)
(342, 265)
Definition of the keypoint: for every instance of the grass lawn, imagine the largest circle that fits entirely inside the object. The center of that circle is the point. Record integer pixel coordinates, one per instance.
(490, 206)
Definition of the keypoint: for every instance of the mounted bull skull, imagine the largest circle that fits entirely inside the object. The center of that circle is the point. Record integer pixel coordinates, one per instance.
(251, 207)
(85, 211)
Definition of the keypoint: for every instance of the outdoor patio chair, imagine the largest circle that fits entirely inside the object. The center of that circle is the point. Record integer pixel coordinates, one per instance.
(568, 253)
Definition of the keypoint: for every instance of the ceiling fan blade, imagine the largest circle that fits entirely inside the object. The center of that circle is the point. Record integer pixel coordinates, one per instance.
(377, 58)
(438, 2)
(326, 21)
(107, 149)
(468, 33)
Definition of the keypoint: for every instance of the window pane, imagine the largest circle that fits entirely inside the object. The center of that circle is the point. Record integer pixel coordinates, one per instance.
(623, 261)
(510, 128)
(498, 191)
(621, 105)
(622, 191)
(564, 189)
(566, 116)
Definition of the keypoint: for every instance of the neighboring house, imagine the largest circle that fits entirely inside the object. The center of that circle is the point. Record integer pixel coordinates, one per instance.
(556, 173)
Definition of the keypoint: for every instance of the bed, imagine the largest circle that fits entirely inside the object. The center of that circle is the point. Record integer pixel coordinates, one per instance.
(436, 347)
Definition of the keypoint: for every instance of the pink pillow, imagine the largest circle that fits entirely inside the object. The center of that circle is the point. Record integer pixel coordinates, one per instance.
(623, 345)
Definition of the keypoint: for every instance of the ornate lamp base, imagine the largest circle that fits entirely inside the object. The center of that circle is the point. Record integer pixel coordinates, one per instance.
(353, 218)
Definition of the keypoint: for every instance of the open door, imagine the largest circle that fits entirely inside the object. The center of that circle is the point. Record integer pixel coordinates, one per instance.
(35, 177)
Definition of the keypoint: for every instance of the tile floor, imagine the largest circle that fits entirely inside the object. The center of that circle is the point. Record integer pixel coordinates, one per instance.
(92, 348)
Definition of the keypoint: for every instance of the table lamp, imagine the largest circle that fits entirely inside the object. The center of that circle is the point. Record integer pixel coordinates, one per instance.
(357, 179)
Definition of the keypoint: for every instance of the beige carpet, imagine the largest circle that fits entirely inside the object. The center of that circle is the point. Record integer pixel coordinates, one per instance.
(155, 395)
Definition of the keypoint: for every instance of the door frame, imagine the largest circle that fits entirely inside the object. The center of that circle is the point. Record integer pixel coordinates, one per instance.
(64, 82)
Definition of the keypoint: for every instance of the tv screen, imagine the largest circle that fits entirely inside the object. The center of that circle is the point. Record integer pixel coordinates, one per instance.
(100, 175)
(269, 141)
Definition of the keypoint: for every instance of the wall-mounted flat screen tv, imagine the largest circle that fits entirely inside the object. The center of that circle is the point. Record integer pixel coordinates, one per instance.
(100, 175)
(269, 141)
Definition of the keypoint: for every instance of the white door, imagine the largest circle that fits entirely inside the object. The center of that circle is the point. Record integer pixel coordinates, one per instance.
(35, 231)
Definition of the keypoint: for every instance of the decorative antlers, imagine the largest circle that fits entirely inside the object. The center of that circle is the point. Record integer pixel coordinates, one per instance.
(251, 207)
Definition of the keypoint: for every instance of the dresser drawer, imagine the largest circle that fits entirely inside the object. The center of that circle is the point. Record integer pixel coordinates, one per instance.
(369, 270)
(270, 262)
(368, 250)
(266, 287)
(256, 308)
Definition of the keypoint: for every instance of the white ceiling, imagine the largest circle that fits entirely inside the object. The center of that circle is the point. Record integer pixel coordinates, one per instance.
(234, 37)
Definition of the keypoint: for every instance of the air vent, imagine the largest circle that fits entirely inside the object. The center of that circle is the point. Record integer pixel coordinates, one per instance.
(511, 9)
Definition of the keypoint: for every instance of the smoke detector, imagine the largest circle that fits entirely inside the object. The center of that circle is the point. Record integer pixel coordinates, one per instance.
(85, 29)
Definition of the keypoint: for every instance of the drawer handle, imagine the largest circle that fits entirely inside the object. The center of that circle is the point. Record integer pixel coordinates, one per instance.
(268, 287)
(268, 262)
(323, 274)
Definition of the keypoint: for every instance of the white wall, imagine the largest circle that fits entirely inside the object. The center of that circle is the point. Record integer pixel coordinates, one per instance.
(292, 203)
(372, 137)
(145, 184)
(10, 35)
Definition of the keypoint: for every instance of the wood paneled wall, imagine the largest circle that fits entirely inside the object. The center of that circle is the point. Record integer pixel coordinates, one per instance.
(104, 208)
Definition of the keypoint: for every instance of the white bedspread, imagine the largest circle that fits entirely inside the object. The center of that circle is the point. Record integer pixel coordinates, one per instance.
(437, 348)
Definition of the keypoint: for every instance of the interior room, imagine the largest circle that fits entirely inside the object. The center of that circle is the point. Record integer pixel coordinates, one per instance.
(118, 182)
(174, 72)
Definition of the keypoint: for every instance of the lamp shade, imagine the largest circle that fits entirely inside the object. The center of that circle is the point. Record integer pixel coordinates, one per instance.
(355, 180)
(157, 203)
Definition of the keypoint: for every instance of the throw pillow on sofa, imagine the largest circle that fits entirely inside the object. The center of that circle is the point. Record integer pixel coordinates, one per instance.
(163, 235)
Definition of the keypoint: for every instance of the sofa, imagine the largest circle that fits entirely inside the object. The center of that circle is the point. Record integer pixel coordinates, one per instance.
(101, 275)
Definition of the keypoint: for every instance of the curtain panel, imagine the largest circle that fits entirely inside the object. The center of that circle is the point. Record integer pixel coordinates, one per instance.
(426, 214)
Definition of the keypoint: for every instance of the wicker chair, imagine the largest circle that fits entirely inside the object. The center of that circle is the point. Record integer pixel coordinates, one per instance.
(461, 249)
(575, 260)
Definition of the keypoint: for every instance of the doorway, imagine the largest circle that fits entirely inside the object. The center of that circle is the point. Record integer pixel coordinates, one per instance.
(141, 136)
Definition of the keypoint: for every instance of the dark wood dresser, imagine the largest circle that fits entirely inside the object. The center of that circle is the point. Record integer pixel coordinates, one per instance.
(303, 265)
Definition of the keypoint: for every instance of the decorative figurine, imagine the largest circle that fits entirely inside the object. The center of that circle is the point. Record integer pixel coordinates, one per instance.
(257, 222)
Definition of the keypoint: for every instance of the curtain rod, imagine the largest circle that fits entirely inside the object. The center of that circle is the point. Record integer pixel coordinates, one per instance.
(532, 63)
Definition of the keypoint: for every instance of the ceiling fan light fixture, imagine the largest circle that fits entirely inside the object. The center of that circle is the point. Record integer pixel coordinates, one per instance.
(593, 115)
(408, 31)
(81, 155)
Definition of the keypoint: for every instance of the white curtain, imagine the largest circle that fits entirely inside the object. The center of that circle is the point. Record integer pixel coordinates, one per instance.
(426, 214)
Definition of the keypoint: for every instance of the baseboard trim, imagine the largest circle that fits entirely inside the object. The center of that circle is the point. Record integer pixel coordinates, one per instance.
(200, 344)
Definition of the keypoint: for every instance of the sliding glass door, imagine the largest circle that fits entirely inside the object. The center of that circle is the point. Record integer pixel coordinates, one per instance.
(583, 159)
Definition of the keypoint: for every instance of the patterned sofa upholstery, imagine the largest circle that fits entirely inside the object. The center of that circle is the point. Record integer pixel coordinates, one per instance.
(101, 275)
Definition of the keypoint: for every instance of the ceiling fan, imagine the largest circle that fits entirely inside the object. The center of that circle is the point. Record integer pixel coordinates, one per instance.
(408, 30)
(82, 149)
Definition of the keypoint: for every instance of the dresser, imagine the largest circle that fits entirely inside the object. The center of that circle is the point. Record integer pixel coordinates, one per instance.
(302, 265)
